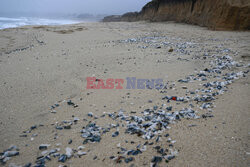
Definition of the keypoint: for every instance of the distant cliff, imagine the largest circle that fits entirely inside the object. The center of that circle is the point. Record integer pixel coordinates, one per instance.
(215, 14)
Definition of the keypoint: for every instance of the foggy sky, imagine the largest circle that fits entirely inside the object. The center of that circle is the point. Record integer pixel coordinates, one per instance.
(71, 6)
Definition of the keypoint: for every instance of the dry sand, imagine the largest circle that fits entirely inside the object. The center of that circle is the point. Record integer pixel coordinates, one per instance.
(41, 66)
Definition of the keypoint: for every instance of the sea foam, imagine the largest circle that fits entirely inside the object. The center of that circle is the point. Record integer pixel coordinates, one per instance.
(6, 22)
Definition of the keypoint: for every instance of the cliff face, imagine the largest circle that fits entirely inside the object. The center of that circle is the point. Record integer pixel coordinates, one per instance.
(215, 14)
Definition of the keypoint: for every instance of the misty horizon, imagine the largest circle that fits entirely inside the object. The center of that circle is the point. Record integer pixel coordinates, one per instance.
(68, 7)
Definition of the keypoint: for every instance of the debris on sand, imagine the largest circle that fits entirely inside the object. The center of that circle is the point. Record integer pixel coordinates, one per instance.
(8, 153)
(150, 124)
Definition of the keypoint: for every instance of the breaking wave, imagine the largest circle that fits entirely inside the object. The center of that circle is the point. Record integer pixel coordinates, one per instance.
(6, 22)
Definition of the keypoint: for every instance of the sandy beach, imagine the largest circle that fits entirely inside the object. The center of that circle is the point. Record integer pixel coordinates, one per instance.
(44, 97)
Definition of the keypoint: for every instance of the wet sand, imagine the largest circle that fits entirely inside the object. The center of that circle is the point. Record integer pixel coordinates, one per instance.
(45, 65)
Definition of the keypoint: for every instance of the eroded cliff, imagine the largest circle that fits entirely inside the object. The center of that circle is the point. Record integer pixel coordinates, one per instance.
(215, 14)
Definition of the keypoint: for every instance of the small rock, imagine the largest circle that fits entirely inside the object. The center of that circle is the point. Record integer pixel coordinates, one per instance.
(70, 141)
(67, 126)
(167, 135)
(115, 134)
(59, 128)
(170, 157)
(156, 159)
(171, 50)
(69, 152)
(44, 146)
(81, 153)
(144, 148)
(169, 108)
(23, 135)
(53, 111)
(33, 127)
(112, 157)
(10, 153)
(62, 158)
(70, 103)
(76, 119)
(90, 114)
(80, 147)
(130, 159)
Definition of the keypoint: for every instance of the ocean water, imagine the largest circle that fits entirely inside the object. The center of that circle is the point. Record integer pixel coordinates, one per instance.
(7, 22)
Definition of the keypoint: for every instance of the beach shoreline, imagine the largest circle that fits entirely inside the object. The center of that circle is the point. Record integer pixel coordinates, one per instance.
(45, 66)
